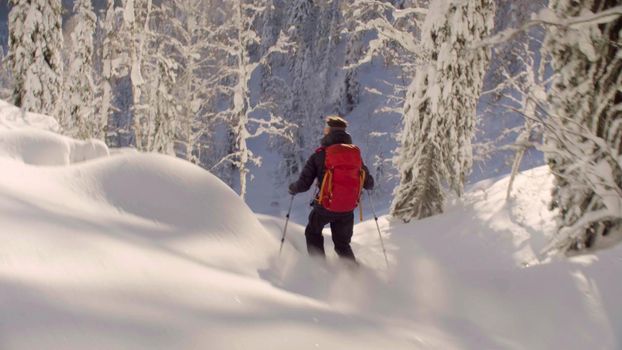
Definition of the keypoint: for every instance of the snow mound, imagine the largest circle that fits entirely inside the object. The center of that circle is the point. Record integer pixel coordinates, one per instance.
(154, 197)
(39, 147)
(12, 117)
(31, 138)
(183, 200)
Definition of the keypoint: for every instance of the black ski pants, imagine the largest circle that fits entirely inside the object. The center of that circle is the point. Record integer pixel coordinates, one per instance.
(341, 226)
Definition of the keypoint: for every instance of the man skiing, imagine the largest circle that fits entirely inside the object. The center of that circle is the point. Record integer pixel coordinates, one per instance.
(341, 175)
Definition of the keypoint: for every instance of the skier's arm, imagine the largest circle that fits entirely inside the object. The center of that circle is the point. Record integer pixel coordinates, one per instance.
(306, 178)
(368, 184)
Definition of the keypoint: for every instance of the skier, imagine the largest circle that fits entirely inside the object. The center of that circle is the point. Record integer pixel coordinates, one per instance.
(341, 175)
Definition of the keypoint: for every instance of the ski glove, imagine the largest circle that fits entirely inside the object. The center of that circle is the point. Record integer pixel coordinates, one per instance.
(292, 189)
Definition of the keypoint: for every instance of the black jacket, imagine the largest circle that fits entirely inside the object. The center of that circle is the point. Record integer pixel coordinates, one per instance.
(314, 168)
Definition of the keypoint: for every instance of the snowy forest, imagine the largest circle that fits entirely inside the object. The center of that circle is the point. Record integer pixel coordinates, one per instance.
(435, 87)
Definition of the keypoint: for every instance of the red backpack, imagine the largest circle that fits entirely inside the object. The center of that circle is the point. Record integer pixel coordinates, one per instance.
(343, 178)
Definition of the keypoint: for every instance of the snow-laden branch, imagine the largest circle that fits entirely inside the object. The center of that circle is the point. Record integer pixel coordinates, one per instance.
(387, 30)
(547, 17)
(399, 14)
(386, 21)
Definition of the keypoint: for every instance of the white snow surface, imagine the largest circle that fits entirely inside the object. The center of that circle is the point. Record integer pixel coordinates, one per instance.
(144, 251)
(12, 117)
(40, 147)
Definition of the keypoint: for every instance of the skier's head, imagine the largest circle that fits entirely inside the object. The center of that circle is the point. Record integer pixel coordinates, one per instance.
(333, 123)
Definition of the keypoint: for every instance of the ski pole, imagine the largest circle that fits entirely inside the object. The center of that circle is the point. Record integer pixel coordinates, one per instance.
(373, 210)
(291, 201)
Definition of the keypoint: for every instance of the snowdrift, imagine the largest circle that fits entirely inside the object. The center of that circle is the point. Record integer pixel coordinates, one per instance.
(160, 198)
(31, 138)
(179, 200)
(12, 117)
(170, 198)
(38, 147)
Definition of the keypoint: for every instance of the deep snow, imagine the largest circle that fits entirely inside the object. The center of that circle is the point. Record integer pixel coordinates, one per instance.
(143, 251)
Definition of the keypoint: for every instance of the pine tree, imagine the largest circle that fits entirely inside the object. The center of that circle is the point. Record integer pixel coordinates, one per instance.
(81, 120)
(35, 46)
(439, 115)
(584, 129)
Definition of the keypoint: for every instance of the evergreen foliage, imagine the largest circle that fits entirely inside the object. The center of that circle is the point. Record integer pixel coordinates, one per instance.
(584, 129)
(439, 113)
(35, 48)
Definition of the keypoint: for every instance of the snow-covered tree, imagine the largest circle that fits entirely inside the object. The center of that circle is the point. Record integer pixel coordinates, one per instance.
(526, 86)
(114, 93)
(35, 46)
(313, 33)
(388, 33)
(439, 114)
(136, 14)
(186, 29)
(80, 120)
(391, 26)
(271, 23)
(235, 41)
(584, 127)
(318, 82)
(161, 119)
(328, 39)
(106, 59)
(524, 139)
(303, 95)
(5, 77)
(502, 106)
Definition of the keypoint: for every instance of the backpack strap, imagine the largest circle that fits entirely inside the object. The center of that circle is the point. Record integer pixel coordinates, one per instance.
(328, 178)
(319, 195)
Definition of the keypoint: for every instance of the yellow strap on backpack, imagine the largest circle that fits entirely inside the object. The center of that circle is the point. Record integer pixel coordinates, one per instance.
(327, 174)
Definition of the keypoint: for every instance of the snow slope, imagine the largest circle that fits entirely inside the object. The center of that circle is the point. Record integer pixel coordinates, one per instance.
(143, 251)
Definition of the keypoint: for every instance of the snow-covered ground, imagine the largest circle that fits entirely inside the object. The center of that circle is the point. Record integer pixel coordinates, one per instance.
(143, 251)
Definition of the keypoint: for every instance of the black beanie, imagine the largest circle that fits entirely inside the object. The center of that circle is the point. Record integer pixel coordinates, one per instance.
(336, 122)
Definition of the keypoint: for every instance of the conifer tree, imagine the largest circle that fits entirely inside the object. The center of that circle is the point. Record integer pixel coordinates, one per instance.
(584, 128)
(35, 46)
(439, 114)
